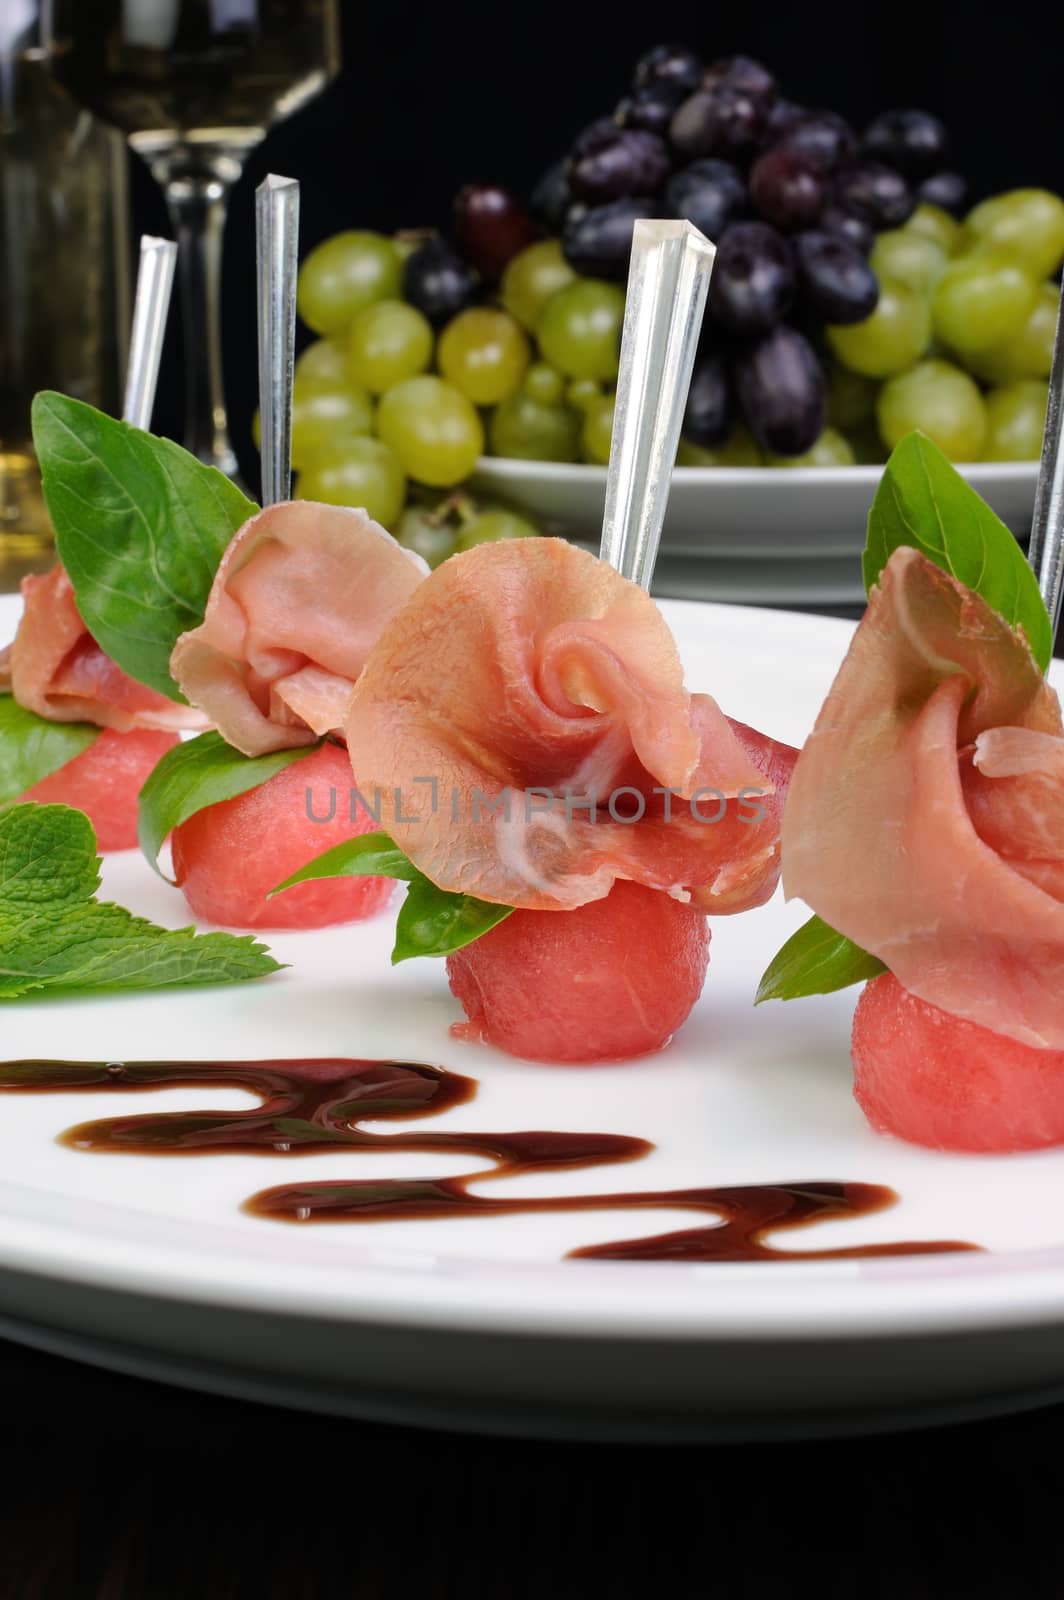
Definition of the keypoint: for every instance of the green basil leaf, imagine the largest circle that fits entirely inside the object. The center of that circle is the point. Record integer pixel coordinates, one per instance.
(196, 774)
(922, 501)
(32, 748)
(140, 527)
(54, 933)
(816, 960)
(433, 922)
(369, 855)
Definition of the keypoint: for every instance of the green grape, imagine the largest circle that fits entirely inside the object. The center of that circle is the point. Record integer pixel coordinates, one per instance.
(388, 342)
(891, 339)
(830, 450)
(1029, 353)
(738, 450)
(1025, 226)
(543, 383)
(981, 301)
(533, 276)
(580, 329)
(597, 432)
(908, 257)
(433, 537)
(851, 398)
(939, 400)
(496, 523)
(347, 272)
(356, 472)
(1017, 419)
(484, 354)
(324, 362)
(931, 222)
(323, 414)
(433, 429)
(527, 429)
(583, 394)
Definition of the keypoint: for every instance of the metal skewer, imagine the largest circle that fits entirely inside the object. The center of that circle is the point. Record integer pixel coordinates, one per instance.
(667, 283)
(277, 260)
(1047, 529)
(155, 280)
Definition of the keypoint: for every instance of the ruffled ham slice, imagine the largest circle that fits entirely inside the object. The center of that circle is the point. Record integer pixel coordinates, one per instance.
(522, 681)
(56, 668)
(301, 594)
(925, 819)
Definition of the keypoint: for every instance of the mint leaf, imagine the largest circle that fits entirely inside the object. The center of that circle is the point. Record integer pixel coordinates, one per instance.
(32, 748)
(816, 960)
(55, 934)
(196, 774)
(431, 921)
(140, 526)
(922, 501)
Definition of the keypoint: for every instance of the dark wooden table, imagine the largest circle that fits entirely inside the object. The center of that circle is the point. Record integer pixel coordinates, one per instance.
(116, 1489)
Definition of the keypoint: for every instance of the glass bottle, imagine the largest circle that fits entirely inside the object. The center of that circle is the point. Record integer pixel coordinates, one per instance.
(64, 269)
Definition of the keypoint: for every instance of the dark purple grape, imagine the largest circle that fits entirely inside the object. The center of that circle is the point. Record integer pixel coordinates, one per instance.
(708, 418)
(742, 72)
(708, 193)
(491, 225)
(672, 64)
(781, 391)
(621, 161)
(787, 189)
(823, 138)
(914, 142)
(946, 189)
(725, 121)
(879, 195)
(847, 225)
(650, 108)
(783, 116)
(438, 282)
(597, 240)
(588, 138)
(551, 197)
(835, 280)
(753, 280)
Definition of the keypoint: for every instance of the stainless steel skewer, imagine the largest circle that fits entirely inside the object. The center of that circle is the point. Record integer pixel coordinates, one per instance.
(667, 283)
(155, 280)
(1047, 529)
(277, 255)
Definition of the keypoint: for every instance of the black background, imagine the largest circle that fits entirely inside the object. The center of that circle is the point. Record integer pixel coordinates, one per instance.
(433, 95)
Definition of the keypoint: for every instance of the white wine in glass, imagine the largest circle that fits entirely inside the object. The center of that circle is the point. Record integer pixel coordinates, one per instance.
(195, 84)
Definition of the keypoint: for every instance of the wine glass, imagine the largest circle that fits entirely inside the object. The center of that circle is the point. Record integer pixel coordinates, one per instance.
(194, 85)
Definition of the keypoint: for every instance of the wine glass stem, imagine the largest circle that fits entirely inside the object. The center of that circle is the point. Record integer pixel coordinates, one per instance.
(197, 202)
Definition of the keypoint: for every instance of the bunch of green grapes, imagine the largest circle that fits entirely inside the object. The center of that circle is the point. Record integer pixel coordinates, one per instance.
(412, 379)
(961, 341)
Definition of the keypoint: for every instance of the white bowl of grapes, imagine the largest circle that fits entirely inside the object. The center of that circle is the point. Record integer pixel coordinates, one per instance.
(460, 385)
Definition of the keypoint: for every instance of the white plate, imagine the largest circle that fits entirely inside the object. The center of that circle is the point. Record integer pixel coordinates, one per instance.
(747, 533)
(147, 1264)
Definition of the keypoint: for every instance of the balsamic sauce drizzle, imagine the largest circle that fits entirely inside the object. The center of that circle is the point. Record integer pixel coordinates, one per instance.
(309, 1106)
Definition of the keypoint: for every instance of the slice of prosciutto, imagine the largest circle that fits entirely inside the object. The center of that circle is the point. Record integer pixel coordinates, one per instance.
(55, 668)
(925, 819)
(301, 594)
(523, 727)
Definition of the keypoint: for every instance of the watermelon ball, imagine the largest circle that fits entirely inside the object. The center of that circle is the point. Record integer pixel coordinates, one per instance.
(105, 780)
(940, 1081)
(228, 856)
(612, 979)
